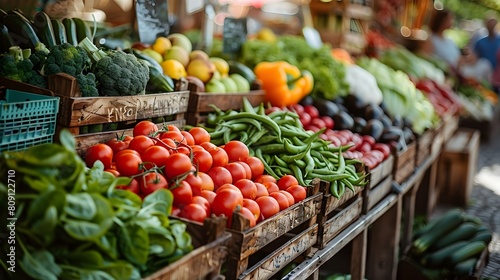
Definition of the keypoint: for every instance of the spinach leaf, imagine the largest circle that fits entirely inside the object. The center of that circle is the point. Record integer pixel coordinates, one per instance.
(133, 242)
(107, 244)
(83, 230)
(89, 258)
(50, 155)
(40, 265)
(161, 245)
(160, 200)
(80, 206)
(88, 274)
(44, 228)
(118, 270)
(126, 203)
(39, 184)
(67, 140)
(182, 238)
(36, 210)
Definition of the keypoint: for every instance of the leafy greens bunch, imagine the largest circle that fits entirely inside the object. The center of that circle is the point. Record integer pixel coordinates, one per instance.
(72, 223)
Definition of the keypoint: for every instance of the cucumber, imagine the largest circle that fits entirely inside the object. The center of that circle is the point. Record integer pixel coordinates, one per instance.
(470, 250)
(242, 69)
(5, 40)
(44, 29)
(443, 226)
(465, 267)
(438, 258)
(70, 27)
(21, 31)
(462, 232)
(20, 14)
(427, 227)
(59, 31)
(82, 29)
(484, 236)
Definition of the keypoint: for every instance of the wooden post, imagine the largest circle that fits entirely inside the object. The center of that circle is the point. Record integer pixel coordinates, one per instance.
(409, 214)
(358, 256)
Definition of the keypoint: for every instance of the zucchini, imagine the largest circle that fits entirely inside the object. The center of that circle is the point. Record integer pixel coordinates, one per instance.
(20, 14)
(484, 236)
(59, 31)
(465, 267)
(82, 29)
(427, 227)
(438, 258)
(21, 31)
(44, 29)
(470, 250)
(2, 13)
(443, 226)
(242, 69)
(5, 40)
(70, 27)
(462, 232)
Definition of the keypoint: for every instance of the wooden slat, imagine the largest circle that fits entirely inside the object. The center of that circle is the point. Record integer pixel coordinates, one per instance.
(376, 194)
(424, 146)
(331, 203)
(358, 256)
(338, 222)
(380, 172)
(404, 163)
(202, 101)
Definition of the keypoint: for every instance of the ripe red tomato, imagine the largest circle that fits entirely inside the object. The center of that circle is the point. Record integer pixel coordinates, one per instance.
(248, 170)
(225, 202)
(188, 138)
(133, 186)
(207, 182)
(209, 196)
(100, 152)
(200, 135)
(237, 171)
(281, 199)
(219, 157)
(177, 164)
(312, 111)
(247, 188)
(167, 143)
(174, 135)
(220, 176)
(119, 143)
(144, 128)
(228, 186)
(113, 171)
(256, 166)
(198, 199)
(264, 178)
(202, 159)
(298, 192)
(236, 151)
(261, 190)
(171, 127)
(268, 206)
(151, 182)
(183, 194)
(196, 183)
(128, 163)
(155, 155)
(287, 181)
(384, 148)
(194, 212)
(247, 214)
(329, 122)
(207, 145)
(291, 200)
(252, 206)
(271, 187)
(176, 211)
(140, 143)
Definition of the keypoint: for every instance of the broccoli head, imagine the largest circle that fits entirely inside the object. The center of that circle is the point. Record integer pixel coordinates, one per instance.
(121, 73)
(66, 58)
(87, 85)
(13, 66)
(39, 55)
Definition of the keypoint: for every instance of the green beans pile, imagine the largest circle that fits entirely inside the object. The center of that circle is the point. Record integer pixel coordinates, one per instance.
(280, 141)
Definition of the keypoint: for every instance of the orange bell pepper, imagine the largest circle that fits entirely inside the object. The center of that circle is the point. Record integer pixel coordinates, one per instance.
(284, 83)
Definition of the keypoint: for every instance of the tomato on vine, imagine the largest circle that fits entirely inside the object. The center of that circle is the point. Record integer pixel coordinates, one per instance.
(144, 128)
(151, 182)
(101, 152)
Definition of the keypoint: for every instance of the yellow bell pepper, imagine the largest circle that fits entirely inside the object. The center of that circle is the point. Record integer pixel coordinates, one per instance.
(284, 83)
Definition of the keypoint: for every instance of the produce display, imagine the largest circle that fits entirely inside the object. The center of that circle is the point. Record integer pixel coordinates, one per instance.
(450, 245)
(74, 223)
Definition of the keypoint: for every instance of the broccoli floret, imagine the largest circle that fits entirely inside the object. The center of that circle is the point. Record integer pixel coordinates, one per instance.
(13, 66)
(69, 59)
(39, 56)
(121, 74)
(87, 84)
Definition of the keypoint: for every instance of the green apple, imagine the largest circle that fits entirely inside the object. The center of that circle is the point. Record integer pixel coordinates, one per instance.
(230, 84)
(242, 83)
(215, 86)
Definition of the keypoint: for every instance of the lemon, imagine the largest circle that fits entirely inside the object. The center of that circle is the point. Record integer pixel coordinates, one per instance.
(161, 45)
(266, 34)
(174, 69)
(221, 65)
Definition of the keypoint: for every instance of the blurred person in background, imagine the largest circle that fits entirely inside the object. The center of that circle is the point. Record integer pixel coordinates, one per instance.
(488, 46)
(440, 45)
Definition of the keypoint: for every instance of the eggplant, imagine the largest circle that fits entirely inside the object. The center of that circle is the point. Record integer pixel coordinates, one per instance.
(342, 108)
(408, 134)
(374, 128)
(354, 104)
(338, 100)
(326, 107)
(386, 120)
(359, 124)
(307, 100)
(373, 111)
(343, 121)
(391, 134)
(397, 120)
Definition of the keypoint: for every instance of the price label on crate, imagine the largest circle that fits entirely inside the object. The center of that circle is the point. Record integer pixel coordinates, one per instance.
(234, 34)
(152, 19)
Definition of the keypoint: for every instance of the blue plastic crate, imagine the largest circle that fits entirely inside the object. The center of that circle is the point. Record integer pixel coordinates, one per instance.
(27, 119)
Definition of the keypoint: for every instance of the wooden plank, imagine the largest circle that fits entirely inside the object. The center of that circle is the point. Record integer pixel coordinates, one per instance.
(279, 258)
(404, 163)
(358, 256)
(376, 194)
(338, 222)
(428, 193)
(408, 214)
(380, 172)
(331, 203)
(424, 146)
(203, 101)
(383, 244)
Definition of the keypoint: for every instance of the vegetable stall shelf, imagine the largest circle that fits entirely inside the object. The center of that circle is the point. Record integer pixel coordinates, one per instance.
(120, 113)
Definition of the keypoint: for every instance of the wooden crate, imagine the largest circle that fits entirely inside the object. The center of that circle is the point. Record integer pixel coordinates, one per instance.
(261, 251)
(379, 183)
(380, 172)
(439, 137)
(200, 103)
(487, 128)
(424, 146)
(404, 163)
(450, 125)
(457, 166)
(337, 213)
(409, 269)
(211, 243)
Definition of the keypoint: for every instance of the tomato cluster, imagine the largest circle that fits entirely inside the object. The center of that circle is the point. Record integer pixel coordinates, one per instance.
(205, 179)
